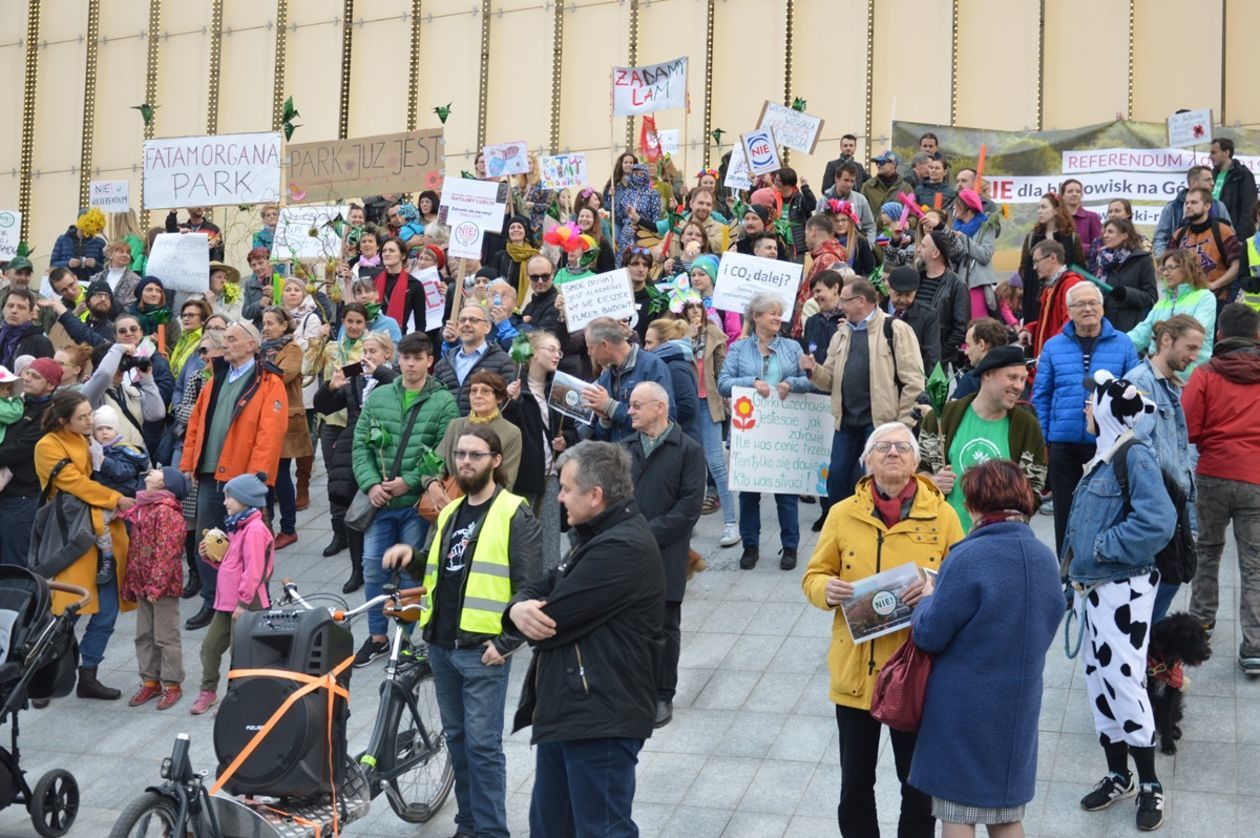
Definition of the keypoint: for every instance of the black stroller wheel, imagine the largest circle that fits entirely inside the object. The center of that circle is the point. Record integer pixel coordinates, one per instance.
(55, 803)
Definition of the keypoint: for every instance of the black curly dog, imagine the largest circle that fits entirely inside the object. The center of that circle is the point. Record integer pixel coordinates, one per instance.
(1177, 641)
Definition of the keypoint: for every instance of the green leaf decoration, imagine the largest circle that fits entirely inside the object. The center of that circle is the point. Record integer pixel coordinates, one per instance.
(146, 111)
(938, 388)
(798, 104)
(522, 350)
(443, 111)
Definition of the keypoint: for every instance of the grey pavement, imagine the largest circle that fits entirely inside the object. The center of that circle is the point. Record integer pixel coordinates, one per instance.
(752, 750)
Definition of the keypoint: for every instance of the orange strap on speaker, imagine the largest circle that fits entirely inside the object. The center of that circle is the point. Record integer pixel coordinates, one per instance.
(310, 683)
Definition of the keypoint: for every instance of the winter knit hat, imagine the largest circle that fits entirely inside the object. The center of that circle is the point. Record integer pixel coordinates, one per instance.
(105, 417)
(759, 211)
(249, 489)
(100, 286)
(47, 369)
(892, 209)
(175, 482)
(940, 238)
(437, 254)
(708, 263)
(145, 283)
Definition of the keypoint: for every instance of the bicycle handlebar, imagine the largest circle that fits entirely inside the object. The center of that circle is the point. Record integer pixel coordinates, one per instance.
(404, 600)
(81, 593)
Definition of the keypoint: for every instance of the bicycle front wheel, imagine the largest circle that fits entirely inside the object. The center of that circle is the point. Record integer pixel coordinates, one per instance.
(151, 814)
(424, 774)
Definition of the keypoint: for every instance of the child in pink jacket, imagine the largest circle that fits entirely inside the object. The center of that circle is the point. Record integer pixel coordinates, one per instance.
(242, 579)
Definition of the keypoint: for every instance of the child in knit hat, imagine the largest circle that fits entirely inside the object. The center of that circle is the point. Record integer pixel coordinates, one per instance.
(154, 580)
(242, 576)
(11, 410)
(118, 466)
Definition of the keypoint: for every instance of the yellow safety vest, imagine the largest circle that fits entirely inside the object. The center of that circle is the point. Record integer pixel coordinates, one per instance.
(1253, 265)
(489, 587)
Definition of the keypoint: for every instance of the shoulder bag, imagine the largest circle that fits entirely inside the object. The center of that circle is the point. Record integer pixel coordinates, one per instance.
(63, 529)
(360, 513)
(900, 688)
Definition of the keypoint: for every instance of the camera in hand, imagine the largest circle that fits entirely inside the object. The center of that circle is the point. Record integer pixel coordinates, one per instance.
(131, 362)
(351, 370)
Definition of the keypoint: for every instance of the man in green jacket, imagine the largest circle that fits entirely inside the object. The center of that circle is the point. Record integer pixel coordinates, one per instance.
(987, 425)
(400, 425)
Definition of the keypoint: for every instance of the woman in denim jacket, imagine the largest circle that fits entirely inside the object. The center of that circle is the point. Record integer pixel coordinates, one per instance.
(1110, 549)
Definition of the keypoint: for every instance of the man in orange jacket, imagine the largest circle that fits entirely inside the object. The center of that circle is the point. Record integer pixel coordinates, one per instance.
(237, 427)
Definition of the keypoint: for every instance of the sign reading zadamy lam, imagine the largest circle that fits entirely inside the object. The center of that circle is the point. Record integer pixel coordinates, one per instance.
(229, 169)
(336, 170)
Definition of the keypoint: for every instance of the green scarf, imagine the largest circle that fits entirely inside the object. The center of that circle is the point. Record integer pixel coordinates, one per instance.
(184, 348)
(151, 317)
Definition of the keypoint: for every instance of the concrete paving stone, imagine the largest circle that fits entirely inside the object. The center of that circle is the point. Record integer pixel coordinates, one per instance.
(814, 623)
(1205, 766)
(777, 690)
(696, 822)
(728, 689)
(776, 618)
(722, 782)
(814, 700)
(690, 682)
(1053, 704)
(707, 649)
(751, 734)
(745, 824)
(822, 795)
(1210, 719)
(753, 652)
(788, 586)
(777, 787)
(1203, 815)
(1079, 758)
(695, 610)
(803, 739)
(1063, 817)
(1077, 715)
(664, 777)
(800, 654)
(691, 731)
(731, 616)
(804, 826)
(1247, 713)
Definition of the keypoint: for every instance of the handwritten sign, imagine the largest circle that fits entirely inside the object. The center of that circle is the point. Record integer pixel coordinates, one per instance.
(737, 176)
(229, 169)
(332, 171)
(792, 129)
(657, 87)
(506, 159)
(760, 151)
(1190, 128)
(561, 171)
(293, 239)
(668, 138)
(602, 295)
(181, 261)
(740, 278)
(110, 195)
(10, 233)
(471, 207)
(780, 446)
(434, 302)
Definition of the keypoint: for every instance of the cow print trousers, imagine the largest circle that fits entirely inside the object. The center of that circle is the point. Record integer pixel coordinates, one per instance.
(1117, 620)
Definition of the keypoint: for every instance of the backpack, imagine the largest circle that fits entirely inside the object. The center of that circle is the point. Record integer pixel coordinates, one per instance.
(1178, 560)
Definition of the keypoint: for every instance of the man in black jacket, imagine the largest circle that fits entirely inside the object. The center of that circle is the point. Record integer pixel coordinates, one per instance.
(1235, 187)
(595, 622)
(98, 328)
(541, 312)
(668, 469)
(848, 148)
(904, 304)
(20, 334)
(947, 293)
(474, 352)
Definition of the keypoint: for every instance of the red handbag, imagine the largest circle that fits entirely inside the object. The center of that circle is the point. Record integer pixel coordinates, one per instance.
(900, 688)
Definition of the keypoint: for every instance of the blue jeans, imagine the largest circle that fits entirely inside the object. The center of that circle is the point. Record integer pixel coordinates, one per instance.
(471, 697)
(18, 515)
(715, 458)
(750, 519)
(584, 789)
(210, 515)
(100, 625)
(846, 455)
(1163, 598)
(389, 527)
(286, 494)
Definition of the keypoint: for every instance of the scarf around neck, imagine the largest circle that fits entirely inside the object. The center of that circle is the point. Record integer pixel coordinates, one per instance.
(271, 348)
(1110, 258)
(970, 228)
(474, 419)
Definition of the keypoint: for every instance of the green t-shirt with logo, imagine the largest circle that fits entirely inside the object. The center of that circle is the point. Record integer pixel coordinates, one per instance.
(977, 441)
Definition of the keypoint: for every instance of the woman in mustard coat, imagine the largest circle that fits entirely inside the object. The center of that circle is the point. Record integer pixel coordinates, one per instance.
(67, 424)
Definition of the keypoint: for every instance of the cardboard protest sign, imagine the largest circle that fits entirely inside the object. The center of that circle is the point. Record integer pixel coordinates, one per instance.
(434, 302)
(332, 171)
(181, 261)
(560, 171)
(760, 151)
(657, 87)
(602, 295)
(792, 129)
(781, 446)
(1190, 128)
(506, 159)
(740, 278)
(110, 195)
(228, 169)
(10, 233)
(293, 239)
(668, 138)
(737, 176)
(469, 208)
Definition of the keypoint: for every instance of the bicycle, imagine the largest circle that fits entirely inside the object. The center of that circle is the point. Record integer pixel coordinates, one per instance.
(406, 757)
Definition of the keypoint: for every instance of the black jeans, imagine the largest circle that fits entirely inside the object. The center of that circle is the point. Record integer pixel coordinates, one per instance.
(667, 674)
(327, 438)
(859, 750)
(1064, 472)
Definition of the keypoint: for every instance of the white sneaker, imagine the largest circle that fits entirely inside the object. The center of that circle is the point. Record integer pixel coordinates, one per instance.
(730, 535)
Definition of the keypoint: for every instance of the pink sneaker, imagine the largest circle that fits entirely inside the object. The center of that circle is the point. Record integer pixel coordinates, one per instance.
(205, 700)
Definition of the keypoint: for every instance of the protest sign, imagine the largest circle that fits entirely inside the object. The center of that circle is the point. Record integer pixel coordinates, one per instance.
(740, 278)
(110, 195)
(1190, 128)
(10, 233)
(602, 295)
(877, 605)
(434, 302)
(560, 171)
(657, 87)
(778, 445)
(229, 169)
(737, 176)
(469, 208)
(668, 138)
(293, 239)
(506, 159)
(760, 151)
(566, 397)
(332, 171)
(181, 261)
(792, 129)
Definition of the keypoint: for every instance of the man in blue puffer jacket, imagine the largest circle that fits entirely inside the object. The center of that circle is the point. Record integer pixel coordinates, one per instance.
(1087, 343)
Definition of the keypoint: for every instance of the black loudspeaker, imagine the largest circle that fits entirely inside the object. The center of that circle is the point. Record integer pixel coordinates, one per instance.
(295, 758)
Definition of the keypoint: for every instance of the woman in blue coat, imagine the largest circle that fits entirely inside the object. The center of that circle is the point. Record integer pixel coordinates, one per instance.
(997, 604)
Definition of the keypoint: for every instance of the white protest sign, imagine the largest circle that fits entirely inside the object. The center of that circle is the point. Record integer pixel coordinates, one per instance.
(434, 302)
(560, 171)
(740, 278)
(668, 139)
(506, 159)
(293, 239)
(793, 129)
(780, 446)
(10, 233)
(760, 151)
(657, 87)
(737, 176)
(1190, 128)
(601, 295)
(110, 195)
(230, 169)
(181, 261)
(469, 208)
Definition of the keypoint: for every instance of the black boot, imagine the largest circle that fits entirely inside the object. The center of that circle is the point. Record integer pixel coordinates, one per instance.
(355, 581)
(749, 560)
(194, 577)
(89, 687)
(339, 541)
(199, 620)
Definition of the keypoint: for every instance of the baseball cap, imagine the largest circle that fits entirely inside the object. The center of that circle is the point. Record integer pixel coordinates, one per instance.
(885, 156)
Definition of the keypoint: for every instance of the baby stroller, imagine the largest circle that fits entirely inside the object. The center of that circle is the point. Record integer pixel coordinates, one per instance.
(38, 658)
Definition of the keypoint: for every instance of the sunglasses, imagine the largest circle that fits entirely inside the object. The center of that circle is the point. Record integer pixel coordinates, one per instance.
(539, 277)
